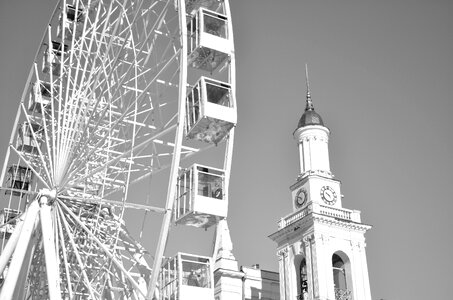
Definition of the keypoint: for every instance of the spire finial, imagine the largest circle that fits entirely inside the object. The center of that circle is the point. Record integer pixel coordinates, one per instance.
(309, 105)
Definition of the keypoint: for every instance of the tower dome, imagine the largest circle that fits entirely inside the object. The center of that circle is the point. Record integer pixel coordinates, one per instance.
(310, 117)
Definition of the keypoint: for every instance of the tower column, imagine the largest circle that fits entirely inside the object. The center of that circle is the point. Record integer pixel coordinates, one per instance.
(301, 160)
(322, 269)
(310, 275)
(361, 286)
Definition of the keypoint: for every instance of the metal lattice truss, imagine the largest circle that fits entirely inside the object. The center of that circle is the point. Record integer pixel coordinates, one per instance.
(84, 249)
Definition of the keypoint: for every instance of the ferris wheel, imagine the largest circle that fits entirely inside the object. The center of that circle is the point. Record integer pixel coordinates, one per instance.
(110, 147)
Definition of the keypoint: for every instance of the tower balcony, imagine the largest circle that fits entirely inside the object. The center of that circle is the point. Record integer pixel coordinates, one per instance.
(201, 197)
(328, 211)
(210, 111)
(186, 277)
(209, 43)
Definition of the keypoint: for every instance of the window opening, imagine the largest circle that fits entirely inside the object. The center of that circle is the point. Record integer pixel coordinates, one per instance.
(339, 279)
(303, 280)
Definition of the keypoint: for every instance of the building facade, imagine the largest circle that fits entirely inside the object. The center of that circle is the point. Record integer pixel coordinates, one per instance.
(320, 244)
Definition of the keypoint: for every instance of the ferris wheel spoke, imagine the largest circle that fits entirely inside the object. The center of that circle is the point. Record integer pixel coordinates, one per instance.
(64, 254)
(76, 253)
(103, 201)
(48, 135)
(36, 141)
(109, 45)
(99, 144)
(37, 174)
(116, 159)
(101, 245)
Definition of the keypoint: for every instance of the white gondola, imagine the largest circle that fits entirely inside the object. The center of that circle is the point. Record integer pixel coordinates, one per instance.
(210, 111)
(18, 180)
(209, 43)
(201, 198)
(25, 141)
(40, 96)
(73, 24)
(186, 277)
(51, 60)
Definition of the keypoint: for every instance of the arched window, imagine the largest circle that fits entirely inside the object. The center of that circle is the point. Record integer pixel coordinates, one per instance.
(303, 280)
(339, 272)
(340, 278)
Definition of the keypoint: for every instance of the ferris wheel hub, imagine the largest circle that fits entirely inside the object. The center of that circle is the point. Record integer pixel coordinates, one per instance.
(47, 196)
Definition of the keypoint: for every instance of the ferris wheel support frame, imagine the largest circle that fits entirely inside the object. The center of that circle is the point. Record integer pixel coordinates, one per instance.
(47, 229)
(22, 247)
(232, 80)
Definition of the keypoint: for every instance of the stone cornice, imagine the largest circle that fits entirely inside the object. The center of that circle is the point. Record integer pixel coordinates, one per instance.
(228, 273)
(340, 223)
(307, 175)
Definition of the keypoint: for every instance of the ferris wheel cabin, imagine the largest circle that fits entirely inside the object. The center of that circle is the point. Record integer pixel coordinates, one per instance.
(51, 60)
(186, 277)
(71, 23)
(200, 197)
(18, 180)
(209, 42)
(210, 111)
(40, 96)
(25, 141)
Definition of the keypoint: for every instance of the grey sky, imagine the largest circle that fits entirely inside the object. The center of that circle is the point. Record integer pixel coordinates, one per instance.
(381, 75)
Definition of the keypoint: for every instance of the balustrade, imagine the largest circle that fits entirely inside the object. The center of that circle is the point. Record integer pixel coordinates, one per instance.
(338, 213)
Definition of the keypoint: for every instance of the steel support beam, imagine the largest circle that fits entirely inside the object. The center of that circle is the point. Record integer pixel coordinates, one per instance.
(19, 253)
(50, 255)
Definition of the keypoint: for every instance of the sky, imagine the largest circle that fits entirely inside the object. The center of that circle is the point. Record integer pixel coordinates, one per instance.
(381, 77)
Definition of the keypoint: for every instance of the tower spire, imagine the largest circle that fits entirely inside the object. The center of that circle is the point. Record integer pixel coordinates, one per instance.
(309, 105)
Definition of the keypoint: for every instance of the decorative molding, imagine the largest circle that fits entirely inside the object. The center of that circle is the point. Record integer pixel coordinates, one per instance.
(362, 228)
(282, 253)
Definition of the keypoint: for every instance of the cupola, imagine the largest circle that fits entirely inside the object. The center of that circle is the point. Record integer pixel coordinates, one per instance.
(312, 138)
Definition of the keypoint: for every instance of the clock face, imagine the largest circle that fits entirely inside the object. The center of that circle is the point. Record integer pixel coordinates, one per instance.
(301, 197)
(328, 195)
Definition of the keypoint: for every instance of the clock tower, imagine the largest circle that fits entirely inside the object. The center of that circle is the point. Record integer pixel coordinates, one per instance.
(321, 244)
